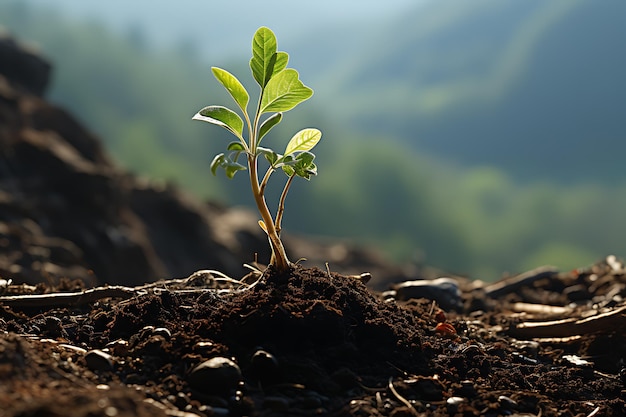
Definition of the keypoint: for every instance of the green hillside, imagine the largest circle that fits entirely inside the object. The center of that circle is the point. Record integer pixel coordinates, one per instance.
(533, 87)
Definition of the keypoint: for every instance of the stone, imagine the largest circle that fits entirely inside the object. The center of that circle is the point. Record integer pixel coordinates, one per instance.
(98, 360)
(217, 376)
(445, 291)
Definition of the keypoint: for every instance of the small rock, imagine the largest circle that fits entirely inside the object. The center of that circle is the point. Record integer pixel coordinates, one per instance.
(98, 360)
(162, 331)
(53, 327)
(118, 347)
(453, 403)
(218, 375)
(467, 389)
(507, 403)
(264, 366)
(4, 284)
(445, 291)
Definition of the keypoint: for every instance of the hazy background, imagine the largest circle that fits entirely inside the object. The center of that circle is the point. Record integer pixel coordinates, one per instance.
(482, 136)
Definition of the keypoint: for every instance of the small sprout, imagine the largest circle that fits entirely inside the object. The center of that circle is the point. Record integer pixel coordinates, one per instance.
(281, 91)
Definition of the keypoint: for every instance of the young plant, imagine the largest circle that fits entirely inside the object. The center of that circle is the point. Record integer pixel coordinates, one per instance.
(280, 90)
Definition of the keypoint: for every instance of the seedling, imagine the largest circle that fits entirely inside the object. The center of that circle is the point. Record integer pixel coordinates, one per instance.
(281, 90)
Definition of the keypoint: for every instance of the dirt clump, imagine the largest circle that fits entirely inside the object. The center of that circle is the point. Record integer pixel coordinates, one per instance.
(309, 343)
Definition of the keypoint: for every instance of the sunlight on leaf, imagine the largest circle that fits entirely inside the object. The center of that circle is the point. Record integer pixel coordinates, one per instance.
(264, 55)
(282, 59)
(221, 116)
(233, 86)
(284, 91)
(304, 140)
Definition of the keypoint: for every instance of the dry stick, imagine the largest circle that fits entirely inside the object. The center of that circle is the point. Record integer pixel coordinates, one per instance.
(98, 293)
(532, 308)
(68, 298)
(328, 271)
(512, 284)
(401, 398)
(594, 412)
(570, 327)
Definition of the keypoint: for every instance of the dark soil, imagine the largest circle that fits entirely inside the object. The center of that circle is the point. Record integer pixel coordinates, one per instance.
(311, 343)
(308, 343)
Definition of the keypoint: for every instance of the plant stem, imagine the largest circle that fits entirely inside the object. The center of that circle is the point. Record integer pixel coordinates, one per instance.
(281, 204)
(279, 257)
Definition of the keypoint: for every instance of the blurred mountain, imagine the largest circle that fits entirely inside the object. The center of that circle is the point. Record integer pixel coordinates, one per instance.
(533, 87)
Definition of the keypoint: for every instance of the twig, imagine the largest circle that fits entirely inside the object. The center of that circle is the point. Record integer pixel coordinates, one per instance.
(571, 326)
(401, 398)
(512, 284)
(68, 298)
(115, 291)
(544, 309)
(594, 412)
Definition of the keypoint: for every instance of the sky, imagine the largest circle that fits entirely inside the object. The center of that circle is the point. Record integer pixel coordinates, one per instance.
(232, 21)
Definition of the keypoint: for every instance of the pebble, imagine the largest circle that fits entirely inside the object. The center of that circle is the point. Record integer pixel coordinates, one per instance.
(445, 291)
(118, 347)
(467, 389)
(453, 403)
(265, 367)
(217, 375)
(98, 360)
(507, 403)
(162, 331)
(4, 284)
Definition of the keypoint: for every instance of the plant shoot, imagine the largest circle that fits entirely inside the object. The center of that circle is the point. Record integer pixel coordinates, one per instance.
(280, 91)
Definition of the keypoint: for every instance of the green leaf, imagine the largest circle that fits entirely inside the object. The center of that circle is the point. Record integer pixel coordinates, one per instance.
(269, 154)
(304, 166)
(233, 86)
(307, 172)
(286, 160)
(305, 158)
(230, 167)
(301, 166)
(303, 141)
(221, 116)
(282, 59)
(263, 55)
(268, 124)
(287, 169)
(236, 146)
(284, 91)
(218, 160)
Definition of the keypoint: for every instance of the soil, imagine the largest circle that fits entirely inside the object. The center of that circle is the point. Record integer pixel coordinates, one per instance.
(316, 343)
(312, 342)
